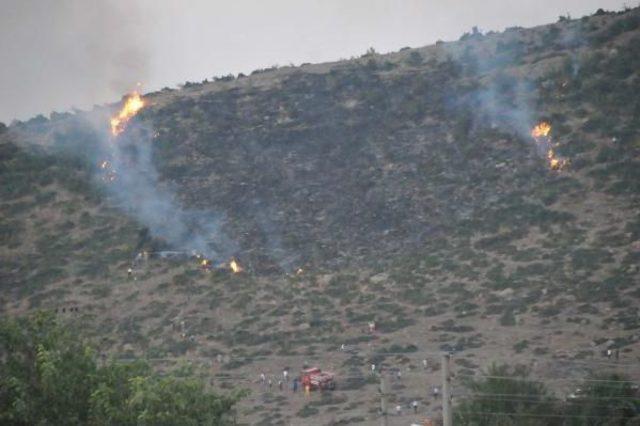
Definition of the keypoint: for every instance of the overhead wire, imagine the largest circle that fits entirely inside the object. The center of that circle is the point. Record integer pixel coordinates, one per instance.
(525, 396)
(546, 379)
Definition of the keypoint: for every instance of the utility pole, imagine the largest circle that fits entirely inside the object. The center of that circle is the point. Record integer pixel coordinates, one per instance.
(383, 401)
(446, 392)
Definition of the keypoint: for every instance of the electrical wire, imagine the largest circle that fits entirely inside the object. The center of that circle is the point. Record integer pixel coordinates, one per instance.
(527, 402)
(564, 416)
(547, 379)
(524, 396)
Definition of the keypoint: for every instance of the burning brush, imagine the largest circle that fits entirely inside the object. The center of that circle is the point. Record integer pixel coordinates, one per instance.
(132, 105)
(235, 266)
(207, 265)
(541, 134)
(118, 122)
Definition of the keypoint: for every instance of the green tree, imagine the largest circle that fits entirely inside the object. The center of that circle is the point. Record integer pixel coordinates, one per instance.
(132, 395)
(605, 399)
(46, 373)
(50, 376)
(504, 397)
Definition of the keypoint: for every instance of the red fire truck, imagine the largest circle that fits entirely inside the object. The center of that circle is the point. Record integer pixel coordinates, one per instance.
(317, 379)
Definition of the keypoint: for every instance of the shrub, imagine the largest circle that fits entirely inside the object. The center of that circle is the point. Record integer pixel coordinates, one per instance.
(415, 59)
(50, 376)
(505, 392)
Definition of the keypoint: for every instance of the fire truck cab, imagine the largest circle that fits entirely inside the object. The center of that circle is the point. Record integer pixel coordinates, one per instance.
(317, 379)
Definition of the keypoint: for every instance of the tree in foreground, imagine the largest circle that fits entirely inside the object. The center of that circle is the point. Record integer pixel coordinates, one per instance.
(49, 376)
(605, 399)
(504, 396)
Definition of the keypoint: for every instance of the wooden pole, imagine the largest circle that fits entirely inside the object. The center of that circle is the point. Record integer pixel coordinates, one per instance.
(383, 401)
(446, 392)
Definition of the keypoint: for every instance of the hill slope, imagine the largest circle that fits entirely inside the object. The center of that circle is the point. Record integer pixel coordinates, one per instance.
(402, 188)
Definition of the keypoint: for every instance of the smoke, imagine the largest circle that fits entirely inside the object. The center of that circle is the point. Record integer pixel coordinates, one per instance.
(507, 95)
(68, 51)
(502, 98)
(138, 191)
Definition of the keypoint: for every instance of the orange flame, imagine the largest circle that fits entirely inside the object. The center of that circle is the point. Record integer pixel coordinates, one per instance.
(132, 105)
(556, 163)
(541, 130)
(541, 134)
(235, 266)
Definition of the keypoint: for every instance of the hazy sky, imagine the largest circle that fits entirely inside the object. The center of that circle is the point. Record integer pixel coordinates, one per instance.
(58, 54)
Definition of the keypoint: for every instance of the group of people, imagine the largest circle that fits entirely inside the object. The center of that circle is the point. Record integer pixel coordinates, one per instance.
(413, 405)
(282, 381)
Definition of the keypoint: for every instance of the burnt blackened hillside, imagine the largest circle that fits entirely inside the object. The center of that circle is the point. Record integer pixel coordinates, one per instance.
(384, 156)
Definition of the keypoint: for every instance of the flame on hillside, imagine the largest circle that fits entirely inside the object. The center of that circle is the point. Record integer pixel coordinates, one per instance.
(541, 134)
(235, 266)
(132, 105)
(541, 130)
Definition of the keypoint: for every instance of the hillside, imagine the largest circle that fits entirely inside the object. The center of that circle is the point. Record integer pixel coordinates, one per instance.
(404, 189)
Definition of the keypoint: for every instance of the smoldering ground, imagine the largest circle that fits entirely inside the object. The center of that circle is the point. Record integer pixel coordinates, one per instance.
(137, 190)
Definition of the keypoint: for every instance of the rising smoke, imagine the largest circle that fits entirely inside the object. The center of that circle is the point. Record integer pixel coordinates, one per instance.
(69, 51)
(137, 189)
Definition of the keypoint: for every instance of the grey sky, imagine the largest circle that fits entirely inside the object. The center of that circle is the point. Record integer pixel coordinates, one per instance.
(58, 54)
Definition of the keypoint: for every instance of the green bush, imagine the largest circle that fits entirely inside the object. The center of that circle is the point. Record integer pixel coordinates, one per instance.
(48, 375)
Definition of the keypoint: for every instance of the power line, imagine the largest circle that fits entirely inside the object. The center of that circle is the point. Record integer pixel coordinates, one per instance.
(564, 416)
(371, 354)
(547, 379)
(257, 357)
(576, 402)
(524, 396)
(610, 363)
